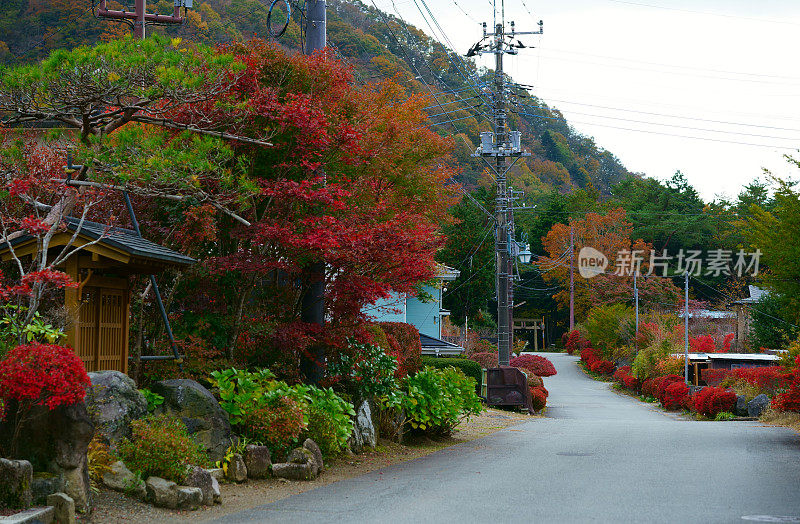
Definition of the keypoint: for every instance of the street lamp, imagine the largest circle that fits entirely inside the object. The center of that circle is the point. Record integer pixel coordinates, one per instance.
(525, 254)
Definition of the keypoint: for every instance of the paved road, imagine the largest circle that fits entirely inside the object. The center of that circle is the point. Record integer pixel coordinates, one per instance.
(597, 457)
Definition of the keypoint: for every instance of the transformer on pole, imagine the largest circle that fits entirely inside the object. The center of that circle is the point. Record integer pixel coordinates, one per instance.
(496, 147)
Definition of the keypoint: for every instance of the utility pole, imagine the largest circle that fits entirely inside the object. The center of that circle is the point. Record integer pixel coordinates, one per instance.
(313, 300)
(686, 327)
(500, 145)
(571, 277)
(636, 299)
(140, 16)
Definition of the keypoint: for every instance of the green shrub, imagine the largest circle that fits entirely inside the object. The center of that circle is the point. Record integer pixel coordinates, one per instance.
(469, 367)
(329, 422)
(272, 412)
(276, 423)
(436, 400)
(363, 371)
(160, 446)
(608, 327)
(153, 399)
(645, 365)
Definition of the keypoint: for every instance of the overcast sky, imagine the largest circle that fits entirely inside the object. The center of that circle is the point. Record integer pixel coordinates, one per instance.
(633, 74)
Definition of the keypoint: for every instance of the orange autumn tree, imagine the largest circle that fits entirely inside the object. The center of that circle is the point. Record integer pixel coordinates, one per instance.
(610, 234)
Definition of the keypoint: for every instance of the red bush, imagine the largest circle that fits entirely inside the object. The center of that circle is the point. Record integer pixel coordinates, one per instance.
(602, 367)
(675, 395)
(663, 383)
(631, 382)
(623, 376)
(589, 355)
(713, 377)
(621, 373)
(769, 379)
(538, 365)
(42, 375)
(486, 360)
(573, 341)
(789, 400)
(405, 345)
(539, 397)
(649, 387)
(711, 401)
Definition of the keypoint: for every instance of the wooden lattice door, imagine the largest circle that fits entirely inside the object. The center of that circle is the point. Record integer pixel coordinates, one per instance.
(102, 337)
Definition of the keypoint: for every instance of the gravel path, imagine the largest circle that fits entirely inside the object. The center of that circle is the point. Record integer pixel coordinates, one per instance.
(112, 507)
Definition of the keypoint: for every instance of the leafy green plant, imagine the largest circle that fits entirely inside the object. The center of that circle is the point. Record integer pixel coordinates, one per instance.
(329, 420)
(365, 371)
(435, 401)
(237, 447)
(153, 399)
(160, 446)
(725, 415)
(608, 327)
(469, 367)
(11, 334)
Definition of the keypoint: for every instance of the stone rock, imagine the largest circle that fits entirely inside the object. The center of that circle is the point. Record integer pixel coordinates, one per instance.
(318, 465)
(364, 426)
(64, 508)
(16, 477)
(113, 402)
(166, 494)
(355, 442)
(77, 486)
(237, 470)
(56, 441)
(215, 491)
(200, 478)
(757, 406)
(292, 471)
(45, 484)
(162, 493)
(300, 456)
(189, 497)
(217, 473)
(200, 412)
(258, 461)
(120, 478)
(741, 406)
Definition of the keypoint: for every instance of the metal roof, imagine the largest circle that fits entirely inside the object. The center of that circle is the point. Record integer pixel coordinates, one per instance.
(435, 346)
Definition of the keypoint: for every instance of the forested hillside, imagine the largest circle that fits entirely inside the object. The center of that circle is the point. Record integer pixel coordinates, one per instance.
(378, 46)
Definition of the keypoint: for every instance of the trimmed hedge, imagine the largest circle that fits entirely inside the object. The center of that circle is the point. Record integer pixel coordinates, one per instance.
(469, 367)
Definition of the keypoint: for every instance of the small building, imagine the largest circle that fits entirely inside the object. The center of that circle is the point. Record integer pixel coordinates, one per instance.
(742, 308)
(699, 362)
(424, 312)
(99, 308)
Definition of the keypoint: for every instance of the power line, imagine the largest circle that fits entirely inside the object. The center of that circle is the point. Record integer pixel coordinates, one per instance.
(668, 115)
(708, 139)
(707, 13)
(678, 126)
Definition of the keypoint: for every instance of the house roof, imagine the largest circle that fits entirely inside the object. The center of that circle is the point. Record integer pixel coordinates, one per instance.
(756, 293)
(435, 346)
(708, 313)
(447, 273)
(118, 238)
(730, 356)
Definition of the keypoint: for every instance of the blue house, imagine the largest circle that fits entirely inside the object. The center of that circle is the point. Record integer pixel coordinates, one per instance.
(424, 312)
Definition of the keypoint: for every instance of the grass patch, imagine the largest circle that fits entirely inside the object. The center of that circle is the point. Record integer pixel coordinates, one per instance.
(785, 419)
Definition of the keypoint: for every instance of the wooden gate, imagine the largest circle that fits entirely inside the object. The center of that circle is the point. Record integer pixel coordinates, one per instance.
(101, 340)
